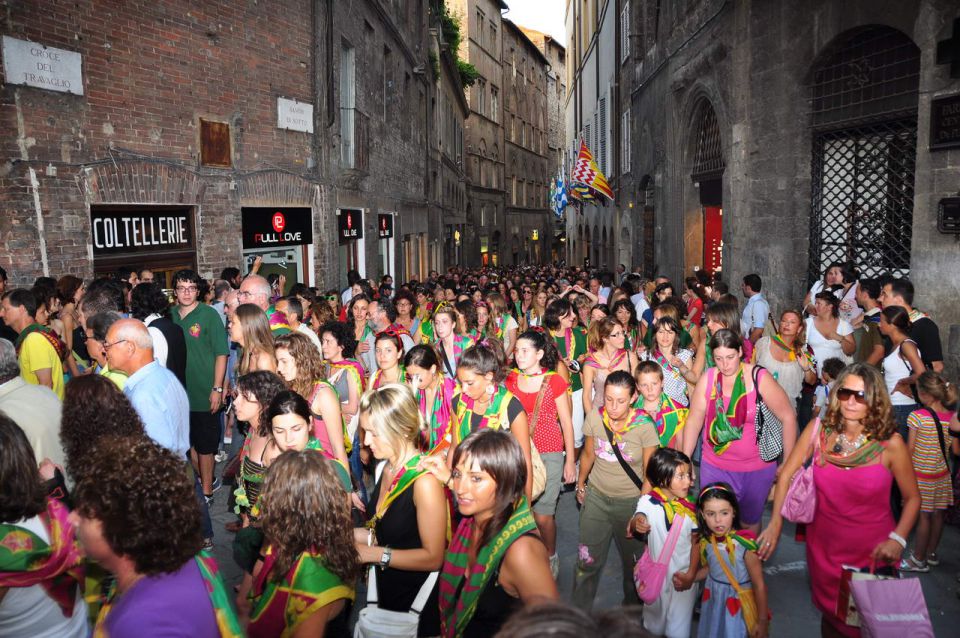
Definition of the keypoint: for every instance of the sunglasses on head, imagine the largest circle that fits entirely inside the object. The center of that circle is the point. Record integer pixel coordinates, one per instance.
(330, 297)
(844, 394)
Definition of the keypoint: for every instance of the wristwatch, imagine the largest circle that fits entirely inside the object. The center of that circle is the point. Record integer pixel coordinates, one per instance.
(385, 557)
(218, 388)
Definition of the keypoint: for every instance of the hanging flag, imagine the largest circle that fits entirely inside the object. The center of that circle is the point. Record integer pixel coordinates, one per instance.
(562, 200)
(553, 197)
(587, 173)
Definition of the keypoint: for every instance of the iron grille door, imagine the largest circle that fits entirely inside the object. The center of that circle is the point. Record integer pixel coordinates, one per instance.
(862, 199)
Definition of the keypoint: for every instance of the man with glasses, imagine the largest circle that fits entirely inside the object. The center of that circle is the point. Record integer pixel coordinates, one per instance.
(256, 290)
(207, 352)
(383, 316)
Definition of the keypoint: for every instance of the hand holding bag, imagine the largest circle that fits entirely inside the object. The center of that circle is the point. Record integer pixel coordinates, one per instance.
(374, 622)
(649, 574)
(801, 500)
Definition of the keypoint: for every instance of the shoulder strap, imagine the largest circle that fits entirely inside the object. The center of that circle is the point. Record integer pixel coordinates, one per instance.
(623, 463)
(536, 407)
(726, 569)
(756, 382)
(943, 444)
(419, 602)
(672, 538)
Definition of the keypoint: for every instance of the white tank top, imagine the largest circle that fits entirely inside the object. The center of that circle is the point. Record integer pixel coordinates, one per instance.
(895, 368)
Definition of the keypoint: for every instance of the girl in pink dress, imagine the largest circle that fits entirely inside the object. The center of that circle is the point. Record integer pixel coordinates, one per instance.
(856, 458)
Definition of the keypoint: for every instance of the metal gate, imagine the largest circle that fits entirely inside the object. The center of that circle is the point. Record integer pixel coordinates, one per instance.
(862, 198)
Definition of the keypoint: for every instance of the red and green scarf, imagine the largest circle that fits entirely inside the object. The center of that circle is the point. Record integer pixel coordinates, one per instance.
(792, 352)
(669, 419)
(462, 584)
(493, 417)
(726, 423)
(281, 605)
(673, 507)
(52, 338)
(615, 360)
(376, 382)
(26, 560)
(402, 481)
(639, 417)
(279, 324)
(354, 369)
(438, 418)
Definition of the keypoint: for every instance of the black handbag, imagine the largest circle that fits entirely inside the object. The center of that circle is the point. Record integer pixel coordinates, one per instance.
(768, 426)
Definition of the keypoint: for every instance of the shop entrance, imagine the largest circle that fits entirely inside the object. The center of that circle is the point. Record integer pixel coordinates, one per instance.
(282, 238)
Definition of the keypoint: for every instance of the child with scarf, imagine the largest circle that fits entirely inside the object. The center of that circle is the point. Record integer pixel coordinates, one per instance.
(734, 602)
(669, 472)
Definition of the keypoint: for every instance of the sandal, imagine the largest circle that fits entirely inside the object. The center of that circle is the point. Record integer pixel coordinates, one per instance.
(912, 564)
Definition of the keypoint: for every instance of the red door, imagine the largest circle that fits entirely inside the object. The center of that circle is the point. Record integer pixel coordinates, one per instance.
(712, 239)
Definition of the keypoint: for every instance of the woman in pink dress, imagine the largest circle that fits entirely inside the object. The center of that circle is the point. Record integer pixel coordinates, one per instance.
(856, 457)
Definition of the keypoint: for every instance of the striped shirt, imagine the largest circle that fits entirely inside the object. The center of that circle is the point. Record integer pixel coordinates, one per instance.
(927, 454)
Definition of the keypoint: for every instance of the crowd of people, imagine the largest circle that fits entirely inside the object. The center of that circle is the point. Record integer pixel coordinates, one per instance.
(412, 443)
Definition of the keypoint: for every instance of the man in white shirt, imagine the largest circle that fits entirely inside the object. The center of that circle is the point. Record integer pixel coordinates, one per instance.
(756, 310)
(35, 408)
(292, 307)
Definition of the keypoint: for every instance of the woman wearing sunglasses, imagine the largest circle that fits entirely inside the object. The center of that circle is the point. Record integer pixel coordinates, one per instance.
(857, 455)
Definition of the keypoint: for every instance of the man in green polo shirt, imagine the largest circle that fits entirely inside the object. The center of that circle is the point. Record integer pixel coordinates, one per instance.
(207, 352)
(255, 290)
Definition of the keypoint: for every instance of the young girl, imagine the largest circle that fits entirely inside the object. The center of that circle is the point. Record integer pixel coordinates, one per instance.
(657, 512)
(732, 569)
(928, 451)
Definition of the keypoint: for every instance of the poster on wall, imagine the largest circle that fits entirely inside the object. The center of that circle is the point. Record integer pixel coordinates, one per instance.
(349, 225)
(272, 227)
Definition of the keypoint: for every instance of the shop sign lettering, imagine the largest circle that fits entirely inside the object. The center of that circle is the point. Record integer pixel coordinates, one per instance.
(127, 232)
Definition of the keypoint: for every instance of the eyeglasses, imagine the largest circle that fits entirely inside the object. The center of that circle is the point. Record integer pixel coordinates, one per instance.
(330, 297)
(844, 394)
(187, 289)
(243, 294)
(107, 346)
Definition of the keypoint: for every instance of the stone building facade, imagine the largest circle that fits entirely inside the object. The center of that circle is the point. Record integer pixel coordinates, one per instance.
(186, 127)
(778, 137)
(772, 137)
(526, 138)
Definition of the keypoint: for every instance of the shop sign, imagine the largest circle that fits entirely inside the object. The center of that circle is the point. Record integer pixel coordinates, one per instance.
(128, 231)
(945, 122)
(349, 225)
(275, 227)
(293, 115)
(41, 66)
(385, 225)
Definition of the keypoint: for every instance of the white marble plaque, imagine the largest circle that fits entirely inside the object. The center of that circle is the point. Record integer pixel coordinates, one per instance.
(44, 67)
(293, 115)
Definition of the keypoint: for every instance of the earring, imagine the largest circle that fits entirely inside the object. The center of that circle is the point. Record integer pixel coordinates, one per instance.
(490, 389)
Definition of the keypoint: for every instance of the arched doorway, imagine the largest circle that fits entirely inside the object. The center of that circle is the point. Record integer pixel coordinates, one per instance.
(864, 125)
(707, 175)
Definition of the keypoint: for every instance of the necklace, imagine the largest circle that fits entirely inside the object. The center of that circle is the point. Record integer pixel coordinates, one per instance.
(846, 447)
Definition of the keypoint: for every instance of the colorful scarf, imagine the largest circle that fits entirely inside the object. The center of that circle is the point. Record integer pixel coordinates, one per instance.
(916, 315)
(400, 330)
(227, 621)
(865, 454)
(669, 419)
(664, 363)
(639, 417)
(26, 560)
(354, 369)
(791, 351)
(673, 507)
(743, 537)
(615, 360)
(426, 332)
(727, 423)
(460, 591)
(460, 343)
(402, 481)
(341, 470)
(52, 338)
(493, 417)
(438, 418)
(278, 322)
(375, 383)
(279, 606)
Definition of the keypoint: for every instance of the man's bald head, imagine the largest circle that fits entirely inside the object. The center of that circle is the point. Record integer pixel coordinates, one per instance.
(129, 346)
(256, 290)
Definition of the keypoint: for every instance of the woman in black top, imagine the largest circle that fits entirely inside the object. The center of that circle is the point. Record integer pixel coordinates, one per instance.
(405, 536)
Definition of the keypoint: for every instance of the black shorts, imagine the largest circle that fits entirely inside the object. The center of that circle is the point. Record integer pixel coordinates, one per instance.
(204, 432)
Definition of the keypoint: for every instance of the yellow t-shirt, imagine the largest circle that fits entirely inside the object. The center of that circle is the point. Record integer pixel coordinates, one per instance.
(36, 353)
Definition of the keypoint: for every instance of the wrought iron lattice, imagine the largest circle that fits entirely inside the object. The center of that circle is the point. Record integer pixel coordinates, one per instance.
(873, 72)
(863, 180)
(708, 154)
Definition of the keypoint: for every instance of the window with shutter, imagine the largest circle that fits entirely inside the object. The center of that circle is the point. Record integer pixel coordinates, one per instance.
(625, 32)
(625, 142)
(602, 150)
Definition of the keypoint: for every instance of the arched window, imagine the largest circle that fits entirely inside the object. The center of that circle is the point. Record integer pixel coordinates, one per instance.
(707, 149)
(863, 99)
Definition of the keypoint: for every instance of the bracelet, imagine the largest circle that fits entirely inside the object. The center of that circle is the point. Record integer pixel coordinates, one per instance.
(899, 539)
(581, 490)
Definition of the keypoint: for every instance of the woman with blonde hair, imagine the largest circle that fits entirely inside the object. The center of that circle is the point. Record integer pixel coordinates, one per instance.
(250, 329)
(606, 340)
(309, 550)
(405, 535)
(857, 455)
(300, 365)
